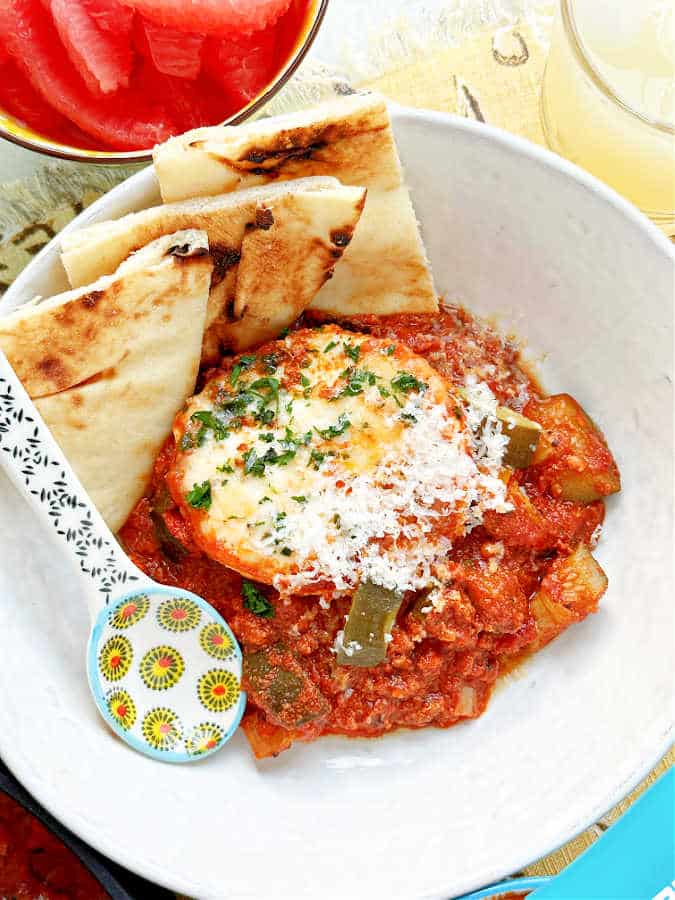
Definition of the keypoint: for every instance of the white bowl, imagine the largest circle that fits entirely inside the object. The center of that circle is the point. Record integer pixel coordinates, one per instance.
(512, 231)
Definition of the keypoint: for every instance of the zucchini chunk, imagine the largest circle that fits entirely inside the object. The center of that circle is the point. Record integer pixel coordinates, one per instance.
(369, 625)
(570, 591)
(523, 435)
(572, 457)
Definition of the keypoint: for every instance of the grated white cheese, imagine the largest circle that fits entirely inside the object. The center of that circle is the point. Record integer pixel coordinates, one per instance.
(390, 493)
(426, 479)
(595, 537)
(349, 648)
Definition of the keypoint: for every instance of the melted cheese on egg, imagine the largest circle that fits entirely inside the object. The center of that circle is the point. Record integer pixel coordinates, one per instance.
(332, 457)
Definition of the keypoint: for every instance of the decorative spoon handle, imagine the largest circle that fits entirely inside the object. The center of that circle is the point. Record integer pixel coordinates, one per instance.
(36, 464)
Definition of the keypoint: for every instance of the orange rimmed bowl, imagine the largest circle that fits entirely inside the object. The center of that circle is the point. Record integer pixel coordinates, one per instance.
(14, 130)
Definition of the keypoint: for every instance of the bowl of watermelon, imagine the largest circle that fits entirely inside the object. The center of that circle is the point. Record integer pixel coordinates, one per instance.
(105, 80)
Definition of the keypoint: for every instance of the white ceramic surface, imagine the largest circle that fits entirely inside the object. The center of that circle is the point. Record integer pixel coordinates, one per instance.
(578, 273)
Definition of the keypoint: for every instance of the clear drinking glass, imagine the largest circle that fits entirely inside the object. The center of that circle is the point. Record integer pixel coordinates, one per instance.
(608, 97)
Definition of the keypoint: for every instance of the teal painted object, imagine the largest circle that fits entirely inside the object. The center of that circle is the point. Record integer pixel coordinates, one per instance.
(633, 860)
(506, 887)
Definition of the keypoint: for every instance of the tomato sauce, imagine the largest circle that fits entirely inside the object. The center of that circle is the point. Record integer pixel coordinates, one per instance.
(441, 665)
(35, 864)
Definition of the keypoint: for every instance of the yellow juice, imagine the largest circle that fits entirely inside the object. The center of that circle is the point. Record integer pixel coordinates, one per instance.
(608, 99)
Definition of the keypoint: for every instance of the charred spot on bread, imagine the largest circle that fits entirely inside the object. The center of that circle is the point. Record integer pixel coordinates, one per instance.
(53, 368)
(341, 237)
(264, 218)
(183, 251)
(90, 300)
(224, 258)
(259, 156)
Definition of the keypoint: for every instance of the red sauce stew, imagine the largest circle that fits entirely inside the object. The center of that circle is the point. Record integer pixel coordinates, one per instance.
(35, 864)
(440, 668)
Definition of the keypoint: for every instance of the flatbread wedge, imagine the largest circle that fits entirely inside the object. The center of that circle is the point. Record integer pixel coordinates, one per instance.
(109, 365)
(286, 239)
(384, 270)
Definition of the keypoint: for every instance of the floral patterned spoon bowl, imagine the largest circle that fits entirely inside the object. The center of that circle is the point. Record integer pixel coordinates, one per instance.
(163, 666)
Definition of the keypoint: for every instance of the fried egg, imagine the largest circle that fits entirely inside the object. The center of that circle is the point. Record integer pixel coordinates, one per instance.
(327, 458)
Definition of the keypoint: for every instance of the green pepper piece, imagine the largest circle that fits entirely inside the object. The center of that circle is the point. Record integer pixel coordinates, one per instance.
(371, 617)
(284, 693)
(170, 546)
(523, 435)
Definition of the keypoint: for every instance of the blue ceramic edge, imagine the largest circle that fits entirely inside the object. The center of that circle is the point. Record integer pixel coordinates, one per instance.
(506, 887)
(98, 692)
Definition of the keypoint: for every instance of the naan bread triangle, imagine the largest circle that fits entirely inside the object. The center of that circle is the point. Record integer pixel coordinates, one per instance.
(385, 270)
(119, 368)
(297, 228)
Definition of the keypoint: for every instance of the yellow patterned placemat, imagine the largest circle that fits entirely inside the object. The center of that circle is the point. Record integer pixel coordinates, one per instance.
(492, 75)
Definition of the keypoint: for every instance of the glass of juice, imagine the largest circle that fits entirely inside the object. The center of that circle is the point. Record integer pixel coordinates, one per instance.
(608, 97)
(104, 81)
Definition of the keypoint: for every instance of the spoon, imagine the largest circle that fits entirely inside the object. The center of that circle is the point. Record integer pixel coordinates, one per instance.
(163, 666)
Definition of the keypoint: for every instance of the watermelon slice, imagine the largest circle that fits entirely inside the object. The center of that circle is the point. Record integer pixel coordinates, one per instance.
(21, 101)
(190, 103)
(174, 52)
(103, 61)
(242, 68)
(215, 17)
(112, 17)
(126, 120)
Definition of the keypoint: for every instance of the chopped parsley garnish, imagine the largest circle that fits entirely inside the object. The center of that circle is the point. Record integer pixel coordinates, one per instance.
(304, 381)
(267, 391)
(253, 464)
(284, 332)
(357, 381)
(264, 500)
(265, 416)
(405, 383)
(237, 405)
(267, 438)
(271, 362)
(200, 496)
(226, 467)
(300, 498)
(336, 430)
(315, 459)
(409, 418)
(245, 362)
(209, 423)
(337, 521)
(255, 601)
(330, 346)
(268, 386)
(353, 351)
(262, 394)
(286, 551)
(383, 391)
(390, 349)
